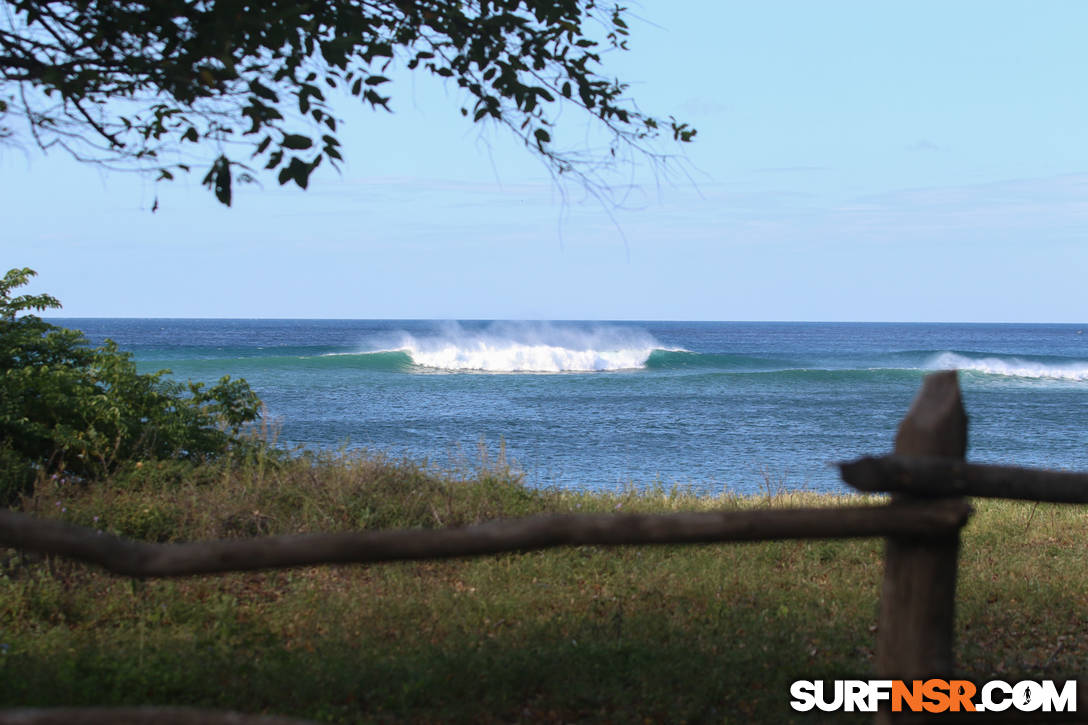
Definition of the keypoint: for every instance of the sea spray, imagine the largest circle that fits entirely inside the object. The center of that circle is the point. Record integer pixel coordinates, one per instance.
(514, 347)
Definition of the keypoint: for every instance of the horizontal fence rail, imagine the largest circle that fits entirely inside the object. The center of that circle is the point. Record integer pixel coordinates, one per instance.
(934, 476)
(138, 716)
(139, 559)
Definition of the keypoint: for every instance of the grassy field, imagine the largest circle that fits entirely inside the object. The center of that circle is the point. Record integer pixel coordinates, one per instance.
(636, 634)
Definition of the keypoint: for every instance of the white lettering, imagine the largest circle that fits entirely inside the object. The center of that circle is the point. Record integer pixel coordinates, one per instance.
(835, 703)
(1064, 701)
(878, 690)
(991, 703)
(1027, 696)
(804, 697)
(855, 695)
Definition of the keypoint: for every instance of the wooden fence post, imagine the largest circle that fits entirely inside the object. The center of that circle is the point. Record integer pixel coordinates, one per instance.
(915, 632)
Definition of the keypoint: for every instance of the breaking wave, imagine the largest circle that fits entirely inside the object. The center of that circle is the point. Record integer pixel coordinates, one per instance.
(1012, 367)
(529, 348)
(543, 347)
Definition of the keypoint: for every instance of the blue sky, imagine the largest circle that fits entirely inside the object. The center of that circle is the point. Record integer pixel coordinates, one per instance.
(923, 161)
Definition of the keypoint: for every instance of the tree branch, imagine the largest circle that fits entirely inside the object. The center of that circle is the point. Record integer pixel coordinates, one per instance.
(98, 127)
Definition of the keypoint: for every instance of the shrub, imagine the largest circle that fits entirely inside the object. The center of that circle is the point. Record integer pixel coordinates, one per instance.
(68, 406)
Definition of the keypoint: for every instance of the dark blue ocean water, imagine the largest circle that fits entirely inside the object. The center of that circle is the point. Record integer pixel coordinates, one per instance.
(712, 405)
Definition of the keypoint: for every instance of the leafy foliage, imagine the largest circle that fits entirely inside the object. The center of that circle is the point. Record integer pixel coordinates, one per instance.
(68, 407)
(125, 80)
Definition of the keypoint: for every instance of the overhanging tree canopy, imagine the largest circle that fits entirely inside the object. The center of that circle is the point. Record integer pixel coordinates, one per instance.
(120, 82)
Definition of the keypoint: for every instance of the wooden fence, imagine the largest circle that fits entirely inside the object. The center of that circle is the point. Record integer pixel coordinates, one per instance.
(926, 475)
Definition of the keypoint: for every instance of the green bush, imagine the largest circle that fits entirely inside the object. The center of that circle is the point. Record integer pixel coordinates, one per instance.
(68, 407)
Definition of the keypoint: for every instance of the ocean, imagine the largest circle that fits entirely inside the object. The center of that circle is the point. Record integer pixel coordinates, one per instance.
(745, 407)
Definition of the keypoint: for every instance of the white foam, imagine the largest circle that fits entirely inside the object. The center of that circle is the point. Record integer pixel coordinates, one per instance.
(530, 347)
(1011, 367)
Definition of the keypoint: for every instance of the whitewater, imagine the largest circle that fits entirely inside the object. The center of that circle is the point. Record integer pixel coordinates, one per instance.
(529, 347)
(1016, 367)
(714, 406)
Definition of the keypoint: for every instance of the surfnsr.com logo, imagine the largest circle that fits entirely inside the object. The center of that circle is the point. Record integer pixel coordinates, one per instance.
(933, 695)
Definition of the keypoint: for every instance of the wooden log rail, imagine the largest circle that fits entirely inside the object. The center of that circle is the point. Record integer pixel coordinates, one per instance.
(933, 476)
(139, 559)
(138, 716)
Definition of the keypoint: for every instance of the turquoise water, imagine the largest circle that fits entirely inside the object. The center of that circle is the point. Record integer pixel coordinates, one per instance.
(712, 405)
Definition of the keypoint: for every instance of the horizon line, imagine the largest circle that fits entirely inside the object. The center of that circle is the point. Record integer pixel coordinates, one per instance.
(563, 319)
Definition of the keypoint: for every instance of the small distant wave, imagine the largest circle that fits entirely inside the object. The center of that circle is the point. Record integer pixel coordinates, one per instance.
(1011, 367)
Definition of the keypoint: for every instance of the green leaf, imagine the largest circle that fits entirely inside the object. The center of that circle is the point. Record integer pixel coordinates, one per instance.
(219, 180)
(296, 142)
(263, 91)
